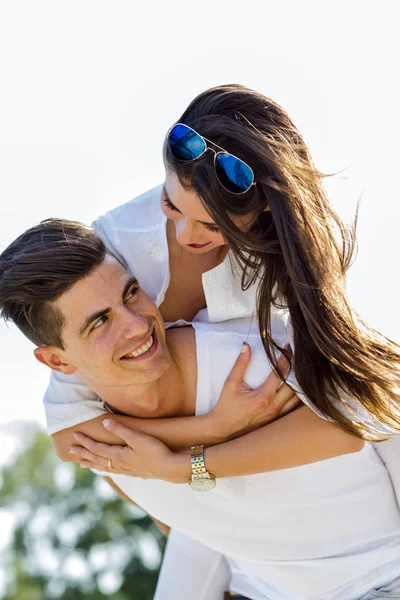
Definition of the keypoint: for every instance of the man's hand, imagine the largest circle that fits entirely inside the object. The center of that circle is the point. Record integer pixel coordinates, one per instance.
(240, 409)
(144, 456)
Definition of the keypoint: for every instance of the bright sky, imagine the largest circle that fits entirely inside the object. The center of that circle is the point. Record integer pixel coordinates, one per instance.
(90, 88)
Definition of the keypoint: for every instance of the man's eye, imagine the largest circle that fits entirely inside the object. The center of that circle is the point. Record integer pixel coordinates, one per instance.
(99, 322)
(132, 293)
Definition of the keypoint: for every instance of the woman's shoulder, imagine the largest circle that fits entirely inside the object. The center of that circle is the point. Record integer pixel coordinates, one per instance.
(143, 213)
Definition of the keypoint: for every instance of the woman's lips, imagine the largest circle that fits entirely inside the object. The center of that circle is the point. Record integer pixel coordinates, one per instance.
(198, 245)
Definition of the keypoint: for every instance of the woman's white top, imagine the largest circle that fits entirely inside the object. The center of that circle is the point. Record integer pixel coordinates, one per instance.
(324, 530)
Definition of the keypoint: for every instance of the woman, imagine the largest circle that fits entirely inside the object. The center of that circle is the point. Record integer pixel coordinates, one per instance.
(268, 206)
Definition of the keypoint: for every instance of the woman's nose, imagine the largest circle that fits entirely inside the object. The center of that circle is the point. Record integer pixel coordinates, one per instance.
(184, 231)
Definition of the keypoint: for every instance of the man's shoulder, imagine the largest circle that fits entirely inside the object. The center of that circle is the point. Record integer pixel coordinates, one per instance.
(139, 214)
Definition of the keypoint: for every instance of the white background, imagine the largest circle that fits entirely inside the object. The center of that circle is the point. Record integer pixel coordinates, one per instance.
(89, 88)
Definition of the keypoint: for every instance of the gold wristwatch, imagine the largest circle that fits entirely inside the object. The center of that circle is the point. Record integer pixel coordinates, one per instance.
(201, 480)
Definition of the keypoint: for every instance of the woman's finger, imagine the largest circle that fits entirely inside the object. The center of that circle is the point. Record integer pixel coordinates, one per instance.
(98, 448)
(283, 393)
(130, 436)
(238, 370)
(289, 405)
(281, 396)
(273, 380)
(84, 454)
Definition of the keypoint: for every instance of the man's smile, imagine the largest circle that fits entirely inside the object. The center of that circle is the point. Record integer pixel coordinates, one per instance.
(146, 349)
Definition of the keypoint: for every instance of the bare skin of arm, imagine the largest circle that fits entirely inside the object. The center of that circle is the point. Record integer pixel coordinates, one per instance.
(299, 438)
(296, 439)
(177, 432)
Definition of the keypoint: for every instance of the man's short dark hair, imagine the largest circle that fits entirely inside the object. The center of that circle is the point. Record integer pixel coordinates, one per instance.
(38, 267)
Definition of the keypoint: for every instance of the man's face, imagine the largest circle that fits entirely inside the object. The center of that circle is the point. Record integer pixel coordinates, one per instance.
(113, 333)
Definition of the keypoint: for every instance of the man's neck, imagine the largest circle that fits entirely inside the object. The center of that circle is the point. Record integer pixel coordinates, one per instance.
(172, 395)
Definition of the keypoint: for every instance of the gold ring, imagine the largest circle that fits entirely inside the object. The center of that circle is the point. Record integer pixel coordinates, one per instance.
(109, 464)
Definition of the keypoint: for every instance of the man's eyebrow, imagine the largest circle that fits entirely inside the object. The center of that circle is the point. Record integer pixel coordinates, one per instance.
(164, 190)
(102, 313)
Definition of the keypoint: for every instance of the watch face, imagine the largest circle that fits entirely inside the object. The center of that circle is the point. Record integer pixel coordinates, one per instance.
(202, 485)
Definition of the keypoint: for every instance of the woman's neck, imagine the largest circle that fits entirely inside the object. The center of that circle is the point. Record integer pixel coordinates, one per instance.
(185, 295)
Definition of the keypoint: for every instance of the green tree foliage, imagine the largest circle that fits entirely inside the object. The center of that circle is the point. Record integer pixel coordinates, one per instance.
(72, 537)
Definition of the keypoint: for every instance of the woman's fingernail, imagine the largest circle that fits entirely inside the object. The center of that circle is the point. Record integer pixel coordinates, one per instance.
(73, 436)
(71, 451)
(106, 422)
(244, 348)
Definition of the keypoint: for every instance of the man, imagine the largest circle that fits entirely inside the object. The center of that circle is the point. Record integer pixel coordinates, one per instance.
(86, 313)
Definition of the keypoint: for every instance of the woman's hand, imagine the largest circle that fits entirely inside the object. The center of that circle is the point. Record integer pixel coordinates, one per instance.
(241, 409)
(144, 456)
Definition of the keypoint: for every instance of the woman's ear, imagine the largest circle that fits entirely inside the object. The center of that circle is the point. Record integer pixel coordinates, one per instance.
(51, 357)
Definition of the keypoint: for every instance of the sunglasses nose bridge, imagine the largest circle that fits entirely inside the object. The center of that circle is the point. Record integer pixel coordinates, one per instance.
(211, 150)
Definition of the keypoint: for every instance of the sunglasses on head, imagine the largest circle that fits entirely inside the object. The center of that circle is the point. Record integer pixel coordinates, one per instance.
(187, 145)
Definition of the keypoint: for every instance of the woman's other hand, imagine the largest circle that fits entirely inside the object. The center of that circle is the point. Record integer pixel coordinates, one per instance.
(241, 409)
(143, 456)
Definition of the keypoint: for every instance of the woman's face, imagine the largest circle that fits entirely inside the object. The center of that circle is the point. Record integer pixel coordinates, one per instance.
(195, 230)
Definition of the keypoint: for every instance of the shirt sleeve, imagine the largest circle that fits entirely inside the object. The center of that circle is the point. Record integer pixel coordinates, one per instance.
(351, 408)
(389, 453)
(69, 401)
(191, 570)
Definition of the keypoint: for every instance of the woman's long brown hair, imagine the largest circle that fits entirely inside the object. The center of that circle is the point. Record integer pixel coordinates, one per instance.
(298, 250)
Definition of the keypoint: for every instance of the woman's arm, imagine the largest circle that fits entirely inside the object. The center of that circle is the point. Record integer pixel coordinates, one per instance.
(238, 411)
(176, 433)
(299, 438)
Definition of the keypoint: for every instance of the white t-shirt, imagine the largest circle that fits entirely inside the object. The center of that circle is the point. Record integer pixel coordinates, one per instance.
(325, 530)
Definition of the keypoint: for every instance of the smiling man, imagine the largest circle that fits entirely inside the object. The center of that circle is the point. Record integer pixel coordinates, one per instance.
(87, 315)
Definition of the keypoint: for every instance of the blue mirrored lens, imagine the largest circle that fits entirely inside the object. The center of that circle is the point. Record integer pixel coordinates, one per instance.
(185, 143)
(233, 173)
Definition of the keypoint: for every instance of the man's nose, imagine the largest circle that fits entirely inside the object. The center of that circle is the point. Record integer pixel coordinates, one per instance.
(133, 324)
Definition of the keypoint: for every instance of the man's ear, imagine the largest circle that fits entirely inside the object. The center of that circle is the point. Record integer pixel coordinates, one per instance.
(52, 357)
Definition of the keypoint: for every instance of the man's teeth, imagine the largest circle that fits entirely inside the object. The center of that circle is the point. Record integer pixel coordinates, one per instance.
(141, 350)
